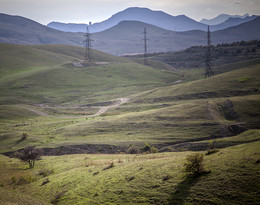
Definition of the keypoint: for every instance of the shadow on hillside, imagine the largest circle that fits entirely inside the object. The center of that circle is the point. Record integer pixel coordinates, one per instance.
(182, 191)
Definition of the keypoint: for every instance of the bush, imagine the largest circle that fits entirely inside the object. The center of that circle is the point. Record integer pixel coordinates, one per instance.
(212, 144)
(154, 150)
(212, 147)
(24, 136)
(26, 179)
(146, 147)
(45, 172)
(211, 151)
(29, 155)
(133, 150)
(194, 164)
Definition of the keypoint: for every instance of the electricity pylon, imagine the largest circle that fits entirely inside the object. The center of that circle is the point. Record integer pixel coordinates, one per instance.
(208, 70)
(89, 59)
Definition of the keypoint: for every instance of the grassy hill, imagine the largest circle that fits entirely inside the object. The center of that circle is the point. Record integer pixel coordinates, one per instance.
(222, 54)
(46, 98)
(20, 30)
(134, 179)
(164, 116)
(45, 74)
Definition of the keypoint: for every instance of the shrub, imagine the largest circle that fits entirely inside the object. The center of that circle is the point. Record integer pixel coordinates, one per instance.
(154, 150)
(25, 180)
(133, 150)
(29, 155)
(146, 147)
(45, 172)
(194, 164)
(211, 151)
(24, 136)
(212, 144)
(212, 147)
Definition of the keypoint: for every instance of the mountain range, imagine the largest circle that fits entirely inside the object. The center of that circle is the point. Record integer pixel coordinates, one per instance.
(221, 18)
(157, 18)
(123, 38)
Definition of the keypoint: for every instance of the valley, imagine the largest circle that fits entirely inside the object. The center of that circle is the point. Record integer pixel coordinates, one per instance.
(121, 129)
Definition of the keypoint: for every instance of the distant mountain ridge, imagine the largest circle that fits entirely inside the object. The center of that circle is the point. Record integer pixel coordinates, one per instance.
(156, 18)
(124, 38)
(232, 21)
(221, 18)
(160, 19)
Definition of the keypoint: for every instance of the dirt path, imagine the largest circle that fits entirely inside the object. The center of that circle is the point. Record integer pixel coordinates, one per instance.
(101, 110)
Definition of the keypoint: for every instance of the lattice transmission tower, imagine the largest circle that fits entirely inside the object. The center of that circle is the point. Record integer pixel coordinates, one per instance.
(89, 59)
(145, 46)
(208, 70)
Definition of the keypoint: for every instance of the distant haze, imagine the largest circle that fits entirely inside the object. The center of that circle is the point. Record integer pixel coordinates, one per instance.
(84, 11)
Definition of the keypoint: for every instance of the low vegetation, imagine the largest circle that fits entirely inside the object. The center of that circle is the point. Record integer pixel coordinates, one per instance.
(29, 155)
(134, 153)
(194, 164)
(137, 179)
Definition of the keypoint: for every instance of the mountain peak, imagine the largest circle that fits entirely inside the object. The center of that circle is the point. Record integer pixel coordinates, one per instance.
(222, 18)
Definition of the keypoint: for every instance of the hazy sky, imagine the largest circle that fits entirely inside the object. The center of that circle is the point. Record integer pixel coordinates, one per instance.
(83, 11)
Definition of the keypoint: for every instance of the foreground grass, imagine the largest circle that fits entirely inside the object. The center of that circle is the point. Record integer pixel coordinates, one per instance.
(135, 179)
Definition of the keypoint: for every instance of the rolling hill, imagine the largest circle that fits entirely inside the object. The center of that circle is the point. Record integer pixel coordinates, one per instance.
(245, 31)
(20, 30)
(164, 109)
(46, 73)
(158, 111)
(126, 37)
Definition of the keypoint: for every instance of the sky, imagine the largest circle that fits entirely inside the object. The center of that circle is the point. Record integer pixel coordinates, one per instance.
(84, 11)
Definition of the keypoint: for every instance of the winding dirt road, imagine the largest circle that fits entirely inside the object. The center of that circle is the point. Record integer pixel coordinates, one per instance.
(101, 110)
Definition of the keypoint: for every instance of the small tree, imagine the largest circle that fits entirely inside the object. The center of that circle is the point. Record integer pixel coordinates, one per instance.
(194, 164)
(29, 154)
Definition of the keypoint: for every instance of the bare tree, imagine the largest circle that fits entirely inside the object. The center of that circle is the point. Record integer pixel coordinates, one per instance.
(29, 154)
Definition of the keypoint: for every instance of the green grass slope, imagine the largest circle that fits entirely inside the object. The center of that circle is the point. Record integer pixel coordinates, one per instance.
(45, 73)
(134, 179)
(177, 117)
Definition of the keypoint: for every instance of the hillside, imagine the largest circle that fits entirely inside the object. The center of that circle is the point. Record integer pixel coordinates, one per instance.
(134, 179)
(46, 74)
(245, 31)
(53, 104)
(20, 30)
(122, 38)
(177, 116)
(194, 57)
(126, 37)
